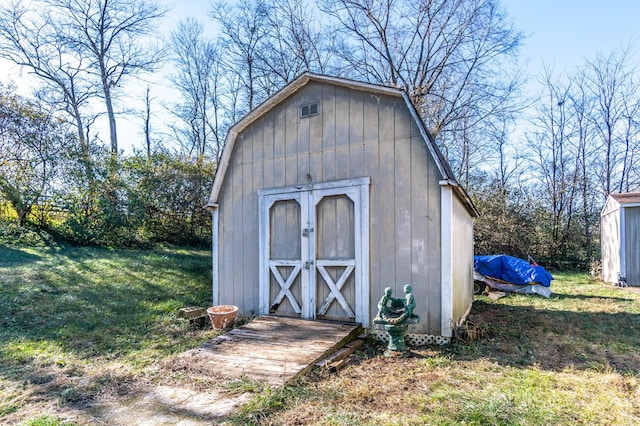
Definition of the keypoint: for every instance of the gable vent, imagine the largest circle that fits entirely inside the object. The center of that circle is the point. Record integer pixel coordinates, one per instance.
(308, 110)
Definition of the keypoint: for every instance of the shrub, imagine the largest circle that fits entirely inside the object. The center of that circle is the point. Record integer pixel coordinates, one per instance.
(148, 201)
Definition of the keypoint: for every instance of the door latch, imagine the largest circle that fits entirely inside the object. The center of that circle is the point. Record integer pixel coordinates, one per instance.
(306, 232)
(308, 264)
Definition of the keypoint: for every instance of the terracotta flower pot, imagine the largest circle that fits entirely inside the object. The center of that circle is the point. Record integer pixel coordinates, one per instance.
(222, 316)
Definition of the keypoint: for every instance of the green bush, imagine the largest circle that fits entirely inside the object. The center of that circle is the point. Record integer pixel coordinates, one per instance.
(139, 202)
(12, 234)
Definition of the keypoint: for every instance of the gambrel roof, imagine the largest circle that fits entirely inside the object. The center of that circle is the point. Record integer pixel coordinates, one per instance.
(446, 174)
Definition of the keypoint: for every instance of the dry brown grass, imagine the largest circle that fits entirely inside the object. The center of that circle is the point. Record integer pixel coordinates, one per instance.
(570, 359)
(106, 330)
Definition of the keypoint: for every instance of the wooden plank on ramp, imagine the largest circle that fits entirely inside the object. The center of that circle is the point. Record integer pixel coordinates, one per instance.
(270, 349)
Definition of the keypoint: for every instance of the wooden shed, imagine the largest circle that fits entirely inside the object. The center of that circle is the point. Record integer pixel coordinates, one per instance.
(329, 192)
(620, 238)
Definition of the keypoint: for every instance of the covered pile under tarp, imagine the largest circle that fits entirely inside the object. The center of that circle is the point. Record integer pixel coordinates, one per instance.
(509, 273)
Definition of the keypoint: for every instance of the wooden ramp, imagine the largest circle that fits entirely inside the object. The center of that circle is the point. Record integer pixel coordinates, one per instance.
(270, 349)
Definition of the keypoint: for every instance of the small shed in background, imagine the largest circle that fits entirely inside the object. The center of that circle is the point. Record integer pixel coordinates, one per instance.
(327, 193)
(620, 238)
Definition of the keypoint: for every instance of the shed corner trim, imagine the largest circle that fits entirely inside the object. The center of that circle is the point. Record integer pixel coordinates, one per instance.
(446, 295)
(215, 250)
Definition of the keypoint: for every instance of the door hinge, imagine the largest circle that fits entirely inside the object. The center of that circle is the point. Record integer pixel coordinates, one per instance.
(306, 232)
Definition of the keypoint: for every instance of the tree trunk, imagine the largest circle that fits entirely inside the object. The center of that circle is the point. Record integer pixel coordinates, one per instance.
(113, 137)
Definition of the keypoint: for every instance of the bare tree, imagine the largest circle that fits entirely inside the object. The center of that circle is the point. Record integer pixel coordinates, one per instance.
(270, 42)
(629, 176)
(611, 83)
(244, 28)
(586, 140)
(445, 53)
(146, 118)
(108, 35)
(34, 41)
(556, 160)
(198, 75)
(455, 59)
(294, 43)
(582, 104)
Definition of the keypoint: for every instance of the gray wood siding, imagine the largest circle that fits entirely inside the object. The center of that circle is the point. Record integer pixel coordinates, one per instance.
(462, 261)
(355, 134)
(632, 245)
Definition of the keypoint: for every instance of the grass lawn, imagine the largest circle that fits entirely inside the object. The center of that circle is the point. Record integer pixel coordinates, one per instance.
(84, 325)
(571, 359)
(77, 324)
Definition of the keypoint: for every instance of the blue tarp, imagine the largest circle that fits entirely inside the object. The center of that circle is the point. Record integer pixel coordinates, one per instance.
(511, 269)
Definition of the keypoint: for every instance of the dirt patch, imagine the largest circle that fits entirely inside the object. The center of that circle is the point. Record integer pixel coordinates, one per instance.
(167, 393)
(170, 393)
(169, 405)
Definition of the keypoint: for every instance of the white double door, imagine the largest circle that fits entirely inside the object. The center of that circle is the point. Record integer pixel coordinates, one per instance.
(314, 251)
